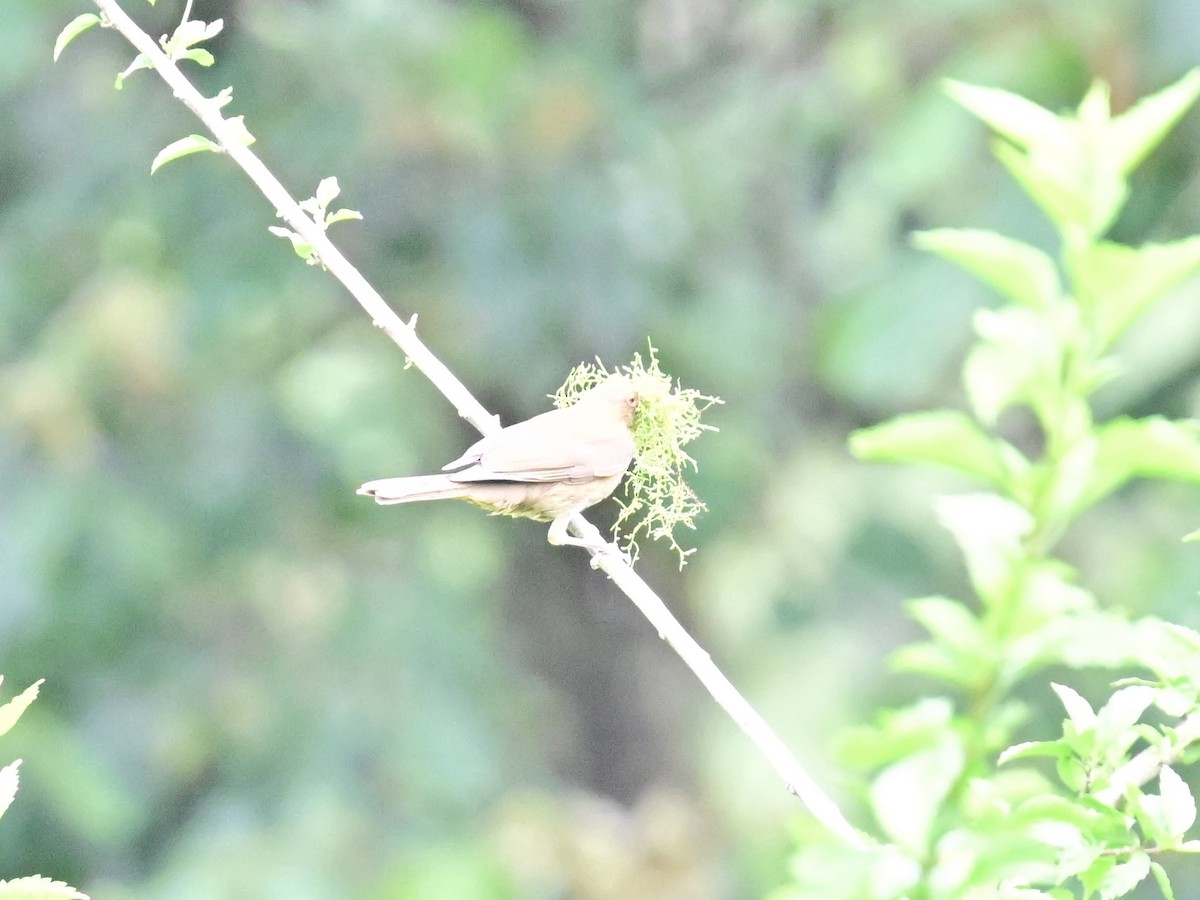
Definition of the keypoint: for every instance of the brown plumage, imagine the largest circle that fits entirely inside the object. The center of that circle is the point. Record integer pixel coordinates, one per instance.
(546, 468)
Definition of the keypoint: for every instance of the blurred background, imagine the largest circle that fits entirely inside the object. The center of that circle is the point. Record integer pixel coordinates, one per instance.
(260, 685)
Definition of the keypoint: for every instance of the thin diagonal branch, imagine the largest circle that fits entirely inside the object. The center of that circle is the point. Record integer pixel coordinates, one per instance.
(228, 136)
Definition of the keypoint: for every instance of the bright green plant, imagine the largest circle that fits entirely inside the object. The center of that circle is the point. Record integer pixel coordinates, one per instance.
(32, 887)
(958, 816)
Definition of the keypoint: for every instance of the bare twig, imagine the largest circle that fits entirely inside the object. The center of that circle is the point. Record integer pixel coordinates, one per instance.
(230, 139)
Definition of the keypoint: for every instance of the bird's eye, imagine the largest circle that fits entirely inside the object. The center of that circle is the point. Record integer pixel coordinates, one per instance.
(631, 400)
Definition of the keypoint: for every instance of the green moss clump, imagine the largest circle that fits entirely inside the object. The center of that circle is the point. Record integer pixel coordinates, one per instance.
(657, 498)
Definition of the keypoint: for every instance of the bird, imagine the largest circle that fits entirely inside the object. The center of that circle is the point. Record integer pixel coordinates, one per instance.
(546, 468)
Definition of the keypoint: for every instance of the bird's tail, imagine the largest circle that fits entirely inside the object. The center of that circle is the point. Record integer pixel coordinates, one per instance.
(413, 489)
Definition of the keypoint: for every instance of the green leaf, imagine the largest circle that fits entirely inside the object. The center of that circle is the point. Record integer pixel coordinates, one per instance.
(934, 661)
(1115, 284)
(1178, 804)
(1055, 159)
(141, 61)
(989, 530)
(327, 191)
(1152, 447)
(1016, 270)
(1034, 750)
(303, 248)
(898, 734)
(342, 215)
(1071, 483)
(189, 33)
(1124, 877)
(1095, 109)
(960, 653)
(198, 55)
(951, 624)
(1164, 883)
(1095, 873)
(1079, 711)
(9, 780)
(1018, 119)
(906, 796)
(1071, 773)
(11, 711)
(1016, 361)
(37, 887)
(193, 143)
(1053, 186)
(941, 437)
(75, 27)
(1115, 720)
(1057, 822)
(1058, 160)
(1135, 133)
(241, 134)
(1080, 640)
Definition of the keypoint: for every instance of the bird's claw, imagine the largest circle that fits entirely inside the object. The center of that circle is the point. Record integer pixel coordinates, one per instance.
(611, 550)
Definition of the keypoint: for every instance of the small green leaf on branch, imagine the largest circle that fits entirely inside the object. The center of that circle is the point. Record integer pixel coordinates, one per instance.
(193, 143)
(181, 44)
(241, 133)
(9, 781)
(318, 204)
(75, 27)
(327, 191)
(141, 61)
(303, 248)
(11, 711)
(198, 55)
(342, 215)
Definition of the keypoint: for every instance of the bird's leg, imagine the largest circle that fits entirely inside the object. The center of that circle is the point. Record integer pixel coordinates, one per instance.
(559, 536)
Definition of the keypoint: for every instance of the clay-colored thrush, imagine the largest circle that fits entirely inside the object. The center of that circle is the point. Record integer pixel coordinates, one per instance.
(546, 468)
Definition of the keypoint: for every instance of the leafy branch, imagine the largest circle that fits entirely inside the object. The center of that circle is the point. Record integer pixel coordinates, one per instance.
(30, 887)
(965, 817)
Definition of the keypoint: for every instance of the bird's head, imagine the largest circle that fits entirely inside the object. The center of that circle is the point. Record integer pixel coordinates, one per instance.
(615, 396)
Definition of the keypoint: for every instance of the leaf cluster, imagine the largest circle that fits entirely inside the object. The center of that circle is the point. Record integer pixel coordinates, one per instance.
(30, 887)
(955, 823)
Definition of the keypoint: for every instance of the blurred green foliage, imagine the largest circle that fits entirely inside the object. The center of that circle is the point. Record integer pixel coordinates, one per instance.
(260, 685)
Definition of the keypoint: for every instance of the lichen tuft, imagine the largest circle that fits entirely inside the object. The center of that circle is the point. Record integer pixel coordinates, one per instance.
(657, 498)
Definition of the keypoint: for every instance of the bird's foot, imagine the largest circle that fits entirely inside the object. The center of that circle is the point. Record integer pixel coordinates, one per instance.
(591, 541)
(610, 550)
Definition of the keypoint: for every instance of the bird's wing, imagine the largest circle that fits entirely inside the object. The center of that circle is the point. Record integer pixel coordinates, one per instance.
(554, 446)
